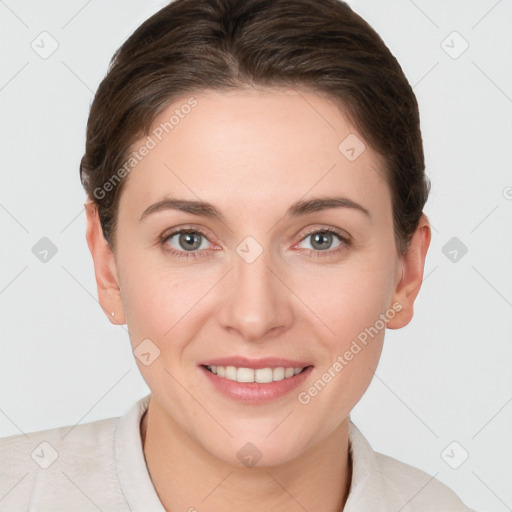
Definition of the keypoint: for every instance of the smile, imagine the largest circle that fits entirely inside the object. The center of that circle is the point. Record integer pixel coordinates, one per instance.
(260, 375)
(255, 381)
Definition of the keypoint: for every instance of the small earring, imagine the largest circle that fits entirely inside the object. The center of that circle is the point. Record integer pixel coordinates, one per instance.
(113, 313)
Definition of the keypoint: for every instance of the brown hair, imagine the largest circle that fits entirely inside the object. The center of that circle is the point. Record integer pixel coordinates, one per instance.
(194, 45)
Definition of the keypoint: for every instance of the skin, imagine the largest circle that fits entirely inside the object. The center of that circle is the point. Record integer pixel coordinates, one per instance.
(252, 153)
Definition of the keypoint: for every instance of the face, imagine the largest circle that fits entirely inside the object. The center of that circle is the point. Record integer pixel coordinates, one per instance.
(292, 264)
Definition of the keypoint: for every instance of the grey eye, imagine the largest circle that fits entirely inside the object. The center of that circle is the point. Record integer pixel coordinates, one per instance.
(322, 240)
(187, 241)
(190, 241)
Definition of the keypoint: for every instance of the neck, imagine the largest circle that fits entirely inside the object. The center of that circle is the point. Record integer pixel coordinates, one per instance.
(186, 477)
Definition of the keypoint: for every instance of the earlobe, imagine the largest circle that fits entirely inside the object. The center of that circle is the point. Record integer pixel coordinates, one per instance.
(105, 270)
(413, 263)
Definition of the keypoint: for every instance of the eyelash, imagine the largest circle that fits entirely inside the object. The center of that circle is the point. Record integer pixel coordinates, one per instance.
(196, 254)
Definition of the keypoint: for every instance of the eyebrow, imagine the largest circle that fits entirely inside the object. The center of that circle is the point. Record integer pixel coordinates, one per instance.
(304, 207)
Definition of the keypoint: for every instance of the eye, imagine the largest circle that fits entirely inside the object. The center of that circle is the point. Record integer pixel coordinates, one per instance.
(192, 243)
(321, 240)
(185, 242)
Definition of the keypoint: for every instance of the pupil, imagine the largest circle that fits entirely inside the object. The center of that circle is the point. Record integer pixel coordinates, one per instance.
(318, 237)
(187, 241)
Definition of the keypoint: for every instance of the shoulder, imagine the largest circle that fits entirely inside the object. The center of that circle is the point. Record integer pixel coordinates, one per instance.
(380, 482)
(60, 466)
(424, 491)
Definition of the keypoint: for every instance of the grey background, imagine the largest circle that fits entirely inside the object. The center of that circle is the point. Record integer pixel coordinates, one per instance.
(445, 377)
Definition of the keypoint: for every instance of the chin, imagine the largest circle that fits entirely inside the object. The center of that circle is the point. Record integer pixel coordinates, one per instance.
(258, 450)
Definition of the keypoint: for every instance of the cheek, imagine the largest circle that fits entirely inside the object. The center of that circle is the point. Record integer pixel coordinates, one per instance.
(352, 301)
(164, 304)
(348, 358)
(153, 305)
(346, 298)
(147, 297)
(157, 310)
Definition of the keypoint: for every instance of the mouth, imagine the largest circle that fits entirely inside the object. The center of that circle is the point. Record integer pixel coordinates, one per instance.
(260, 375)
(253, 381)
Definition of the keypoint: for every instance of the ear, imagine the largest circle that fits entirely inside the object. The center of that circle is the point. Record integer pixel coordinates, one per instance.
(105, 270)
(413, 263)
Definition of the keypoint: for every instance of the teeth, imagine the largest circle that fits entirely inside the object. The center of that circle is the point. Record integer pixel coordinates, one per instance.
(261, 375)
(244, 375)
(231, 372)
(278, 374)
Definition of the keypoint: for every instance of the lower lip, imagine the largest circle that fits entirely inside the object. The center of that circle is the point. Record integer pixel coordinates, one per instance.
(255, 392)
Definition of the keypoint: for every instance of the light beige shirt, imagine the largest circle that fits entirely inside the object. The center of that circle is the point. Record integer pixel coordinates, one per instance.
(101, 466)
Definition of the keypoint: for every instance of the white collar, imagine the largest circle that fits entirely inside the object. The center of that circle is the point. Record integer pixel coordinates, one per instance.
(129, 459)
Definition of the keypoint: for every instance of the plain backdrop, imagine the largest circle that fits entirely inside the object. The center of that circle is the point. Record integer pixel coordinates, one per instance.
(443, 389)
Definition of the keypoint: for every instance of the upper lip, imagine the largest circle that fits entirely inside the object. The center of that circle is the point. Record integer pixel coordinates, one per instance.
(266, 362)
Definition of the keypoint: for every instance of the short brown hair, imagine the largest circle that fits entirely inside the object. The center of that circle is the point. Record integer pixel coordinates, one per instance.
(320, 45)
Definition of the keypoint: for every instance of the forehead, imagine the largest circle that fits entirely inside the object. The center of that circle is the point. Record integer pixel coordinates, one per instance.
(258, 147)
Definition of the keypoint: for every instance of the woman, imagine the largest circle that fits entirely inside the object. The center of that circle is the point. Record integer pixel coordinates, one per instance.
(255, 181)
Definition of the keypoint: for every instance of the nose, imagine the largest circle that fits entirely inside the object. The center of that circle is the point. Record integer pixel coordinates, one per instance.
(257, 302)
